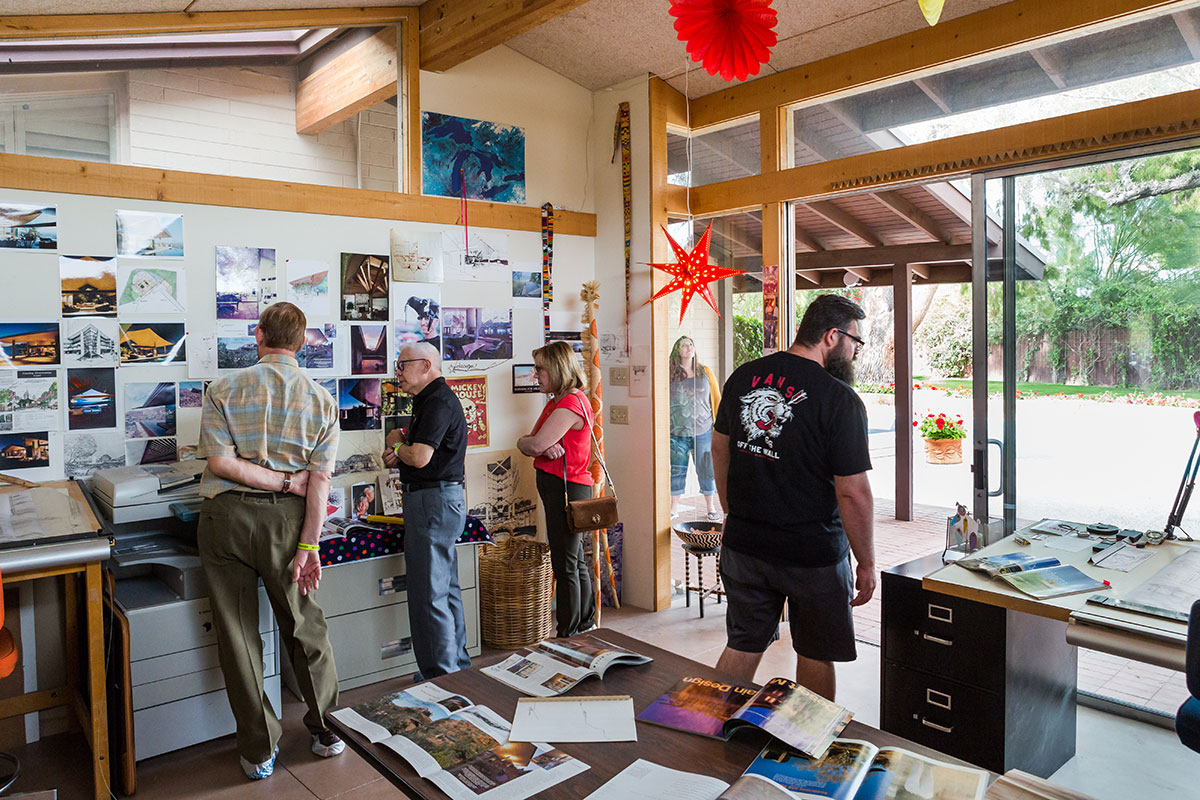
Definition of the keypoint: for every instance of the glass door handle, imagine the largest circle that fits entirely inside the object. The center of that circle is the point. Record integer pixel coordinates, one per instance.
(1000, 490)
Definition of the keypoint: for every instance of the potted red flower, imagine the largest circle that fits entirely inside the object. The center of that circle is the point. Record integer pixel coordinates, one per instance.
(943, 437)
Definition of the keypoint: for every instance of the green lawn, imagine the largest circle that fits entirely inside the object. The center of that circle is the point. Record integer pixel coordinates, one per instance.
(994, 387)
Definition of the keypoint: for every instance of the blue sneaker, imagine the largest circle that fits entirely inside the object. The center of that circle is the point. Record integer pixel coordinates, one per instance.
(256, 772)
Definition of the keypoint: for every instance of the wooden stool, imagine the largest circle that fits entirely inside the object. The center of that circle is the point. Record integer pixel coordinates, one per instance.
(700, 553)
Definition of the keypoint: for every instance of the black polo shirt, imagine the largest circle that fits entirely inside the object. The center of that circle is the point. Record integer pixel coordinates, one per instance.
(438, 421)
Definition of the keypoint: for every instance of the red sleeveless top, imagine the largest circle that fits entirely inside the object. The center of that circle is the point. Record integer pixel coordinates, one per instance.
(577, 443)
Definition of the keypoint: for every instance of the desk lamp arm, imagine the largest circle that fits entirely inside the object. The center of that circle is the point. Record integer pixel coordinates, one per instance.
(1186, 485)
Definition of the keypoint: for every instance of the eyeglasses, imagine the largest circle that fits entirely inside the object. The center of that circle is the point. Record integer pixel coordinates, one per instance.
(858, 343)
(401, 362)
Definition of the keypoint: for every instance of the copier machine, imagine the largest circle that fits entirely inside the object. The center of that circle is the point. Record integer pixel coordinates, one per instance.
(178, 691)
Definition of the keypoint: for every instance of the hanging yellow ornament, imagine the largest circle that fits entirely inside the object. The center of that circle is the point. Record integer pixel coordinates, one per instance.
(932, 9)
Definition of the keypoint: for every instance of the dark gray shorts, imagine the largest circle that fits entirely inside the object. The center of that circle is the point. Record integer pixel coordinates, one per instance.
(818, 601)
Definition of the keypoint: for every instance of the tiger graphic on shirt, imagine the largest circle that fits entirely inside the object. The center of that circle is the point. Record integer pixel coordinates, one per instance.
(765, 411)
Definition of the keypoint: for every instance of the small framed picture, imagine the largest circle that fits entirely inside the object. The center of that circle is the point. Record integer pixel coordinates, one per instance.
(524, 379)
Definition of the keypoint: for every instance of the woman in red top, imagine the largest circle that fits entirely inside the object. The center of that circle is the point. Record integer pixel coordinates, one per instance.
(563, 432)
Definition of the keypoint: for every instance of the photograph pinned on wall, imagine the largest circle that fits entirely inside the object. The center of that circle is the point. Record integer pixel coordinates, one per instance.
(369, 353)
(26, 227)
(473, 158)
(364, 500)
(482, 256)
(395, 402)
(335, 506)
(90, 342)
(359, 406)
(191, 394)
(153, 343)
(524, 379)
(88, 285)
(245, 281)
(472, 392)
(416, 257)
(151, 290)
(400, 422)
(149, 410)
(308, 287)
(91, 398)
(502, 491)
(29, 344)
(84, 453)
(573, 338)
(329, 385)
(364, 285)
(317, 351)
(24, 450)
(526, 288)
(476, 334)
(29, 400)
(417, 314)
(358, 451)
(147, 234)
(151, 451)
(236, 352)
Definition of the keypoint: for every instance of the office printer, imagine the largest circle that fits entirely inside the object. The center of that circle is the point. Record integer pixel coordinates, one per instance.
(132, 494)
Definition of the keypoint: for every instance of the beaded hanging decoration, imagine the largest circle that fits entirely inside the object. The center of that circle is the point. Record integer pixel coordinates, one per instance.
(547, 262)
(621, 140)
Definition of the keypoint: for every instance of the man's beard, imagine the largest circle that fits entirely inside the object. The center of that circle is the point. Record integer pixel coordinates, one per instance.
(841, 368)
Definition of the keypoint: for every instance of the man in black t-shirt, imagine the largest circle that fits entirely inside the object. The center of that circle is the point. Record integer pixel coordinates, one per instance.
(790, 455)
(430, 462)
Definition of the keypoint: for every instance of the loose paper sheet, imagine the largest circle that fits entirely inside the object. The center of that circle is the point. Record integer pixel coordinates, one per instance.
(574, 719)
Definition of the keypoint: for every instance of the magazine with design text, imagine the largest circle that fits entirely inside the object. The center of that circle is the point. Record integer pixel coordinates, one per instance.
(1004, 563)
(554, 666)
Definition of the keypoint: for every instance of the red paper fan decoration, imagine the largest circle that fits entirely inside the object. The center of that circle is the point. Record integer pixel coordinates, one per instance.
(732, 37)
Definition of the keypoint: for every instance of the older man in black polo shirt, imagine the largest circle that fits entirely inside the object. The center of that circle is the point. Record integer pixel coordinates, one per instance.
(430, 461)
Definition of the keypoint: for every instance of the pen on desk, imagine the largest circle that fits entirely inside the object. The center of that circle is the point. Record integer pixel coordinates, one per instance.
(385, 519)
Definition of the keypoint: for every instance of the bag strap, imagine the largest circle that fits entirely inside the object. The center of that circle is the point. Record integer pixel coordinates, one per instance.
(593, 448)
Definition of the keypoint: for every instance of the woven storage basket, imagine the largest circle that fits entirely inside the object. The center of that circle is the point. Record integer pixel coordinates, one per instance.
(516, 585)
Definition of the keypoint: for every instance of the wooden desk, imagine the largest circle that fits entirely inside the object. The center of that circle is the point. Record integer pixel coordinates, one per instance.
(70, 559)
(670, 748)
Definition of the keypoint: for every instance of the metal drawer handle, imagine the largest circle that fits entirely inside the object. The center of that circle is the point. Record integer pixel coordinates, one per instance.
(935, 698)
(937, 639)
(937, 727)
(941, 613)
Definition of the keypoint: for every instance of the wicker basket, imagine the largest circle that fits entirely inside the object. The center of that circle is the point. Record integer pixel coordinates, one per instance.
(705, 535)
(516, 585)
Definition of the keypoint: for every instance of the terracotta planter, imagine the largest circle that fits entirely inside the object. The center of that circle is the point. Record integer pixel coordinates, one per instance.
(943, 451)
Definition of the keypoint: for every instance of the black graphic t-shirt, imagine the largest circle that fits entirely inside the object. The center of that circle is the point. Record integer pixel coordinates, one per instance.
(792, 427)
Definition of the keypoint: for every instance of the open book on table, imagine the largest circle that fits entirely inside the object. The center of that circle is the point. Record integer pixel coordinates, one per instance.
(552, 667)
(782, 708)
(463, 748)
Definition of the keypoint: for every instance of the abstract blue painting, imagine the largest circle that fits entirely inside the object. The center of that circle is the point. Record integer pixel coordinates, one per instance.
(488, 159)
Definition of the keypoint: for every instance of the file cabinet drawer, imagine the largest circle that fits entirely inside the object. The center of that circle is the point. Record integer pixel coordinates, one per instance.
(377, 582)
(182, 625)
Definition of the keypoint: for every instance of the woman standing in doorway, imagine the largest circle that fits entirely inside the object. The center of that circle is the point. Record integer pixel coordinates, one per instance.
(560, 444)
(694, 401)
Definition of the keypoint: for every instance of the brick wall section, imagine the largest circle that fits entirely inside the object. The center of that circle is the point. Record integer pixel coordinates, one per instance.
(241, 121)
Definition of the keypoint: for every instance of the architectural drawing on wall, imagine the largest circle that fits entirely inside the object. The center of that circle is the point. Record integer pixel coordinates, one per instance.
(28, 344)
(359, 451)
(150, 235)
(502, 491)
(369, 350)
(364, 287)
(151, 451)
(153, 343)
(149, 410)
(483, 160)
(29, 400)
(245, 281)
(485, 260)
(476, 334)
(473, 394)
(89, 341)
(308, 287)
(91, 398)
(151, 290)
(84, 453)
(416, 257)
(612, 348)
(417, 312)
(359, 404)
(24, 450)
(24, 227)
(89, 286)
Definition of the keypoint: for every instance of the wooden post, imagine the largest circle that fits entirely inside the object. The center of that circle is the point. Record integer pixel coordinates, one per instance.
(902, 303)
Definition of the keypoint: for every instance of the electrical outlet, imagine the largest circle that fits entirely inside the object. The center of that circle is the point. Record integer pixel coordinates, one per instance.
(618, 415)
(618, 376)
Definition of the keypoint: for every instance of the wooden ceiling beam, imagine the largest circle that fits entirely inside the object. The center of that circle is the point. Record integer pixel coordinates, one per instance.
(357, 79)
(846, 221)
(920, 270)
(883, 256)
(57, 26)
(1187, 29)
(805, 238)
(1051, 65)
(926, 86)
(907, 211)
(454, 31)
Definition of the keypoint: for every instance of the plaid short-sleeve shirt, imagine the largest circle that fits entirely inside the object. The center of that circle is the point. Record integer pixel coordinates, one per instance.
(272, 414)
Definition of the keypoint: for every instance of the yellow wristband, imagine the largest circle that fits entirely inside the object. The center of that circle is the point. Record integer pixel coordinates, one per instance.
(396, 448)
(303, 546)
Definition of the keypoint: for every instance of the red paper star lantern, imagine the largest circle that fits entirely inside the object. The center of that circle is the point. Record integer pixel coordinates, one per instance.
(732, 37)
(692, 273)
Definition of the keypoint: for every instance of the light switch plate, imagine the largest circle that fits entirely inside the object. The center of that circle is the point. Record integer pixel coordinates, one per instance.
(618, 376)
(618, 415)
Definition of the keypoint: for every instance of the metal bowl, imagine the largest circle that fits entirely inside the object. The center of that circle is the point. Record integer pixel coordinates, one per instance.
(702, 533)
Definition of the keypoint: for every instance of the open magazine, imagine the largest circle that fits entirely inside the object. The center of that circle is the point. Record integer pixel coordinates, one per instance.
(552, 667)
(463, 748)
(1004, 563)
(1036, 576)
(782, 708)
